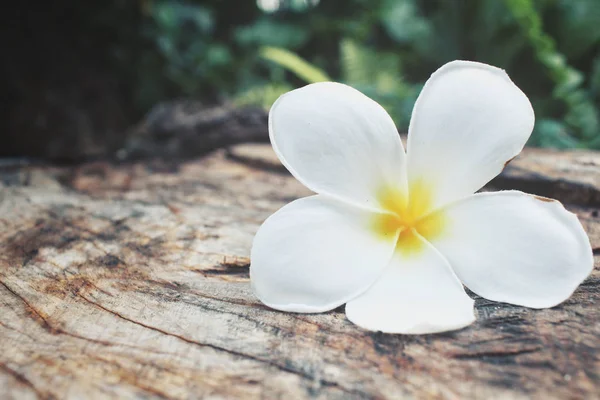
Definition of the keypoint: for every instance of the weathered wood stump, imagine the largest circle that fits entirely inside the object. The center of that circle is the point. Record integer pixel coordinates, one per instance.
(132, 281)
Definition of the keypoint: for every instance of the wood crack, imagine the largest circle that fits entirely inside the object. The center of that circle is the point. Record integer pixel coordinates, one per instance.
(59, 331)
(26, 382)
(43, 320)
(502, 353)
(280, 367)
(133, 381)
(129, 255)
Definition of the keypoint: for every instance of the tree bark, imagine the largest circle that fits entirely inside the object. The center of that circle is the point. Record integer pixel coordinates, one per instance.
(132, 281)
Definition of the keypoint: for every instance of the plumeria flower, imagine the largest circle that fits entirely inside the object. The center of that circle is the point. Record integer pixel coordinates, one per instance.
(395, 235)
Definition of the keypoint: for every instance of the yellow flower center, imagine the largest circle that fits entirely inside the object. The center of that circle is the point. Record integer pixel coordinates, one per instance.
(409, 214)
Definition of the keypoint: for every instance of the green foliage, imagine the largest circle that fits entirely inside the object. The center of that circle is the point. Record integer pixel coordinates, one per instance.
(578, 30)
(403, 22)
(385, 48)
(261, 95)
(553, 133)
(266, 32)
(581, 114)
(381, 81)
(295, 64)
(184, 53)
(187, 61)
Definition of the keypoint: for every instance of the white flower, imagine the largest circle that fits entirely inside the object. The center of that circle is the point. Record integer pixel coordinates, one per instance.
(393, 235)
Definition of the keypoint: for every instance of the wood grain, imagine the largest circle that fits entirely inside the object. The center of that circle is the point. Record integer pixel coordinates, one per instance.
(132, 281)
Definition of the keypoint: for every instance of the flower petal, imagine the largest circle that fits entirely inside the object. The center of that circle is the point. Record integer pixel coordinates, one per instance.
(337, 141)
(516, 248)
(468, 122)
(315, 254)
(416, 294)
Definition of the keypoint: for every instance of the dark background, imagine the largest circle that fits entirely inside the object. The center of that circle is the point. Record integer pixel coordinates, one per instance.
(76, 76)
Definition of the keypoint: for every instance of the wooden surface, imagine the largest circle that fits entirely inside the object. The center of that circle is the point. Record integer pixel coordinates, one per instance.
(132, 281)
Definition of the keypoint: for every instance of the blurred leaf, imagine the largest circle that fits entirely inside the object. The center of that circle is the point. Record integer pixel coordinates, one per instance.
(295, 64)
(579, 29)
(495, 34)
(595, 78)
(384, 48)
(381, 81)
(355, 64)
(358, 68)
(218, 55)
(550, 133)
(266, 32)
(446, 43)
(302, 5)
(403, 22)
(581, 115)
(171, 16)
(263, 96)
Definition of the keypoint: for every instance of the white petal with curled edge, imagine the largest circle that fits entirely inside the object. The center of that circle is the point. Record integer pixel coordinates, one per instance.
(516, 248)
(468, 122)
(337, 141)
(416, 294)
(315, 254)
